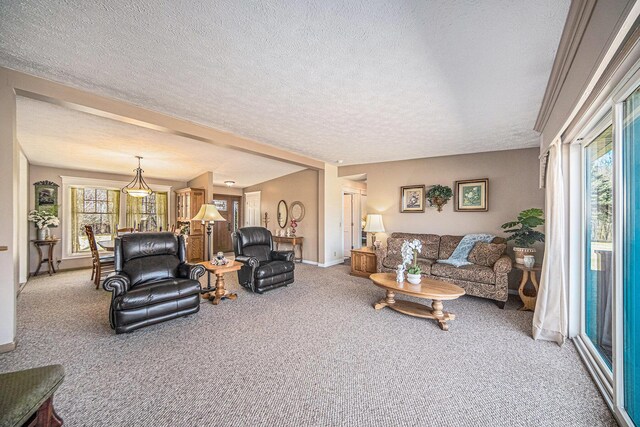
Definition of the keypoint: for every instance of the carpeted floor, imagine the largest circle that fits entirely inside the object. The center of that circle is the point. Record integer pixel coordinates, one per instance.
(314, 353)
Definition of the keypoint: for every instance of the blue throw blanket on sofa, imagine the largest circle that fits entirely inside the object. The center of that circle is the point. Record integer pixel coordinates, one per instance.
(459, 256)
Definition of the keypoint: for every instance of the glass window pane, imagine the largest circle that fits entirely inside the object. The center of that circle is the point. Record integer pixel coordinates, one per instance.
(631, 255)
(221, 205)
(599, 243)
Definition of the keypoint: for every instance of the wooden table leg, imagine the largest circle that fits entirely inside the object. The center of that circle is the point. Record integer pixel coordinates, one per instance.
(39, 260)
(385, 302)
(441, 316)
(51, 268)
(529, 302)
(300, 251)
(220, 292)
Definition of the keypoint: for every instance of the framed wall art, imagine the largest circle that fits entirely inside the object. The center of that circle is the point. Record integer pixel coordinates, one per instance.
(472, 195)
(412, 198)
(47, 196)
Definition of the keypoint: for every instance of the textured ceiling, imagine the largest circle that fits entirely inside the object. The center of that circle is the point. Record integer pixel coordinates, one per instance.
(358, 80)
(56, 136)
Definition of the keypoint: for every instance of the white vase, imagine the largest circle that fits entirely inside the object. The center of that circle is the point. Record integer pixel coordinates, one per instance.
(521, 252)
(529, 261)
(43, 233)
(414, 279)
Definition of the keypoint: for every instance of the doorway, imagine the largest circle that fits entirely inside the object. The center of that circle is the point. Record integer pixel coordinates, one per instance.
(229, 208)
(351, 224)
(252, 209)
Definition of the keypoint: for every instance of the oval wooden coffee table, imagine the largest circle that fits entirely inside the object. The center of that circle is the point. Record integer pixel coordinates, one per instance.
(435, 290)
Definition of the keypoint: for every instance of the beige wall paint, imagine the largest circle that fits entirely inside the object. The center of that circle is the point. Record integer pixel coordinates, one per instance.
(9, 179)
(39, 173)
(205, 181)
(300, 186)
(513, 187)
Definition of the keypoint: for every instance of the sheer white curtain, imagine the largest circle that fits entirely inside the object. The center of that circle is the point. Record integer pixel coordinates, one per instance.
(550, 317)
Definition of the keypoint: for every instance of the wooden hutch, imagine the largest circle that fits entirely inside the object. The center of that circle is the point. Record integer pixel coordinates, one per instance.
(188, 203)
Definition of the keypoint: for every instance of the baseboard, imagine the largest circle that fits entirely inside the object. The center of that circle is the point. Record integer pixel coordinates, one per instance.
(10, 346)
(332, 263)
(306, 261)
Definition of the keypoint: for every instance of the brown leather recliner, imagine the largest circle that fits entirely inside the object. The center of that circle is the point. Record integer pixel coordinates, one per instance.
(152, 282)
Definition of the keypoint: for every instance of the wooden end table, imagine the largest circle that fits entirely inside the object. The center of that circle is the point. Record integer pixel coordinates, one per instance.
(363, 262)
(435, 290)
(528, 301)
(293, 241)
(51, 243)
(220, 292)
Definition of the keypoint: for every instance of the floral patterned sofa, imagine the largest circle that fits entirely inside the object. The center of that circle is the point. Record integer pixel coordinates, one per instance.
(487, 277)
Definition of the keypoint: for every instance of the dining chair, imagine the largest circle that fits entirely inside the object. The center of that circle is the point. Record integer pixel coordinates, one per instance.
(102, 265)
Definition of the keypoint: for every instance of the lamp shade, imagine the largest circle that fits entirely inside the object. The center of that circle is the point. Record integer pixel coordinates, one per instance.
(374, 224)
(208, 213)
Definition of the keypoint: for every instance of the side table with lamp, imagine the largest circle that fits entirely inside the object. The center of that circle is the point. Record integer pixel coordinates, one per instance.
(208, 214)
(363, 260)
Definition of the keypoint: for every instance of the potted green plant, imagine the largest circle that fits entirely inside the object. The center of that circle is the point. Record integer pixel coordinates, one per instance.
(439, 195)
(523, 233)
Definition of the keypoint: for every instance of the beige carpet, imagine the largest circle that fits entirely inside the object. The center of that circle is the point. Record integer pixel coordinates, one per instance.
(314, 353)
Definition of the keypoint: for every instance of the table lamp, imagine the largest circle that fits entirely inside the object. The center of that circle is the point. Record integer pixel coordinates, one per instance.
(209, 214)
(374, 225)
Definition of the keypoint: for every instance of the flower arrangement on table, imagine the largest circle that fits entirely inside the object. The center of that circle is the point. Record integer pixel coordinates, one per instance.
(43, 219)
(410, 249)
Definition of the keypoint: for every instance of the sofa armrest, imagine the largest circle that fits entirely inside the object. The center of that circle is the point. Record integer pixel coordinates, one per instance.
(249, 261)
(191, 271)
(503, 265)
(381, 254)
(117, 284)
(282, 256)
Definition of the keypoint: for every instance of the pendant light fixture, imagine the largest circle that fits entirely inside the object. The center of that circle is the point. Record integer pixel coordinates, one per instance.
(137, 187)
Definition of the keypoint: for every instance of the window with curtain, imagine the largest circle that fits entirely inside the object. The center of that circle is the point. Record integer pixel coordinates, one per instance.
(148, 213)
(98, 207)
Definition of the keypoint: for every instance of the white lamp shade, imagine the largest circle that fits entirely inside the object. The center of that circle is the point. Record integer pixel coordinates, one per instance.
(374, 224)
(208, 213)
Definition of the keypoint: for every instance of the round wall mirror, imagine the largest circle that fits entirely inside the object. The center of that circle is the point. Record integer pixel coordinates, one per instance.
(283, 214)
(297, 211)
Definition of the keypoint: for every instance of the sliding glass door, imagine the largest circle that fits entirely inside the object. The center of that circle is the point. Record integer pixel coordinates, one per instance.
(598, 246)
(631, 255)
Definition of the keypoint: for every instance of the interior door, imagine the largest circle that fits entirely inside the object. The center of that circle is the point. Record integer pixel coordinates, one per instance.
(252, 209)
(229, 208)
(347, 223)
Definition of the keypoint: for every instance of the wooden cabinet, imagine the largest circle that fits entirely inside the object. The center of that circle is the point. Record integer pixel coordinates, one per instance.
(188, 203)
(363, 262)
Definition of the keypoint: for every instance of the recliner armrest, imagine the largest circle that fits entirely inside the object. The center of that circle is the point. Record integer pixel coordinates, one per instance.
(191, 271)
(282, 256)
(503, 265)
(118, 284)
(248, 260)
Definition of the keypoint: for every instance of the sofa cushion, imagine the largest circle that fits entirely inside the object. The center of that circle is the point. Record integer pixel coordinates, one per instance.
(392, 261)
(274, 268)
(469, 273)
(156, 292)
(430, 244)
(486, 254)
(448, 244)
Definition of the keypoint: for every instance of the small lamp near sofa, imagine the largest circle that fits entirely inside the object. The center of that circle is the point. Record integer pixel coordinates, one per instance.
(374, 225)
(209, 214)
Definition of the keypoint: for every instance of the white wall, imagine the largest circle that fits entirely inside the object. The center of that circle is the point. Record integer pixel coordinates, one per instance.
(333, 248)
(23, 208)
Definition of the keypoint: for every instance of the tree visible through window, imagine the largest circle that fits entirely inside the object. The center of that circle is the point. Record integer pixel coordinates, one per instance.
(97, 207)
(148, 213)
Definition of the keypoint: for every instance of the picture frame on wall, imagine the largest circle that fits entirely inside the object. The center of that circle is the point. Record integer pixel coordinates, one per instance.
(46, 196)
(412, 198)
(472, 195)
